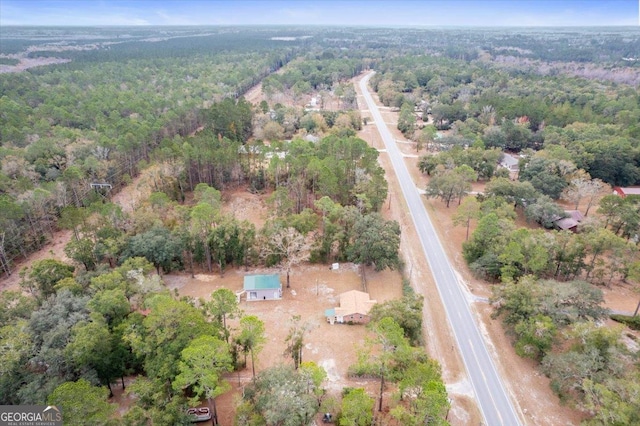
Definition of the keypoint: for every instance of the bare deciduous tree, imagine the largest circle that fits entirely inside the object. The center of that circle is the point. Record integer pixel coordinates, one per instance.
(584, 188)
(289, 245)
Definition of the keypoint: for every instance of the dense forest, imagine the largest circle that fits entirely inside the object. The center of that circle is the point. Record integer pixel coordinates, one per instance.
(170, 100)
(92, 120)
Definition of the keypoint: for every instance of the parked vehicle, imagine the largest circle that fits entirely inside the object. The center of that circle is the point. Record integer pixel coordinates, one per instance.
(200, 414)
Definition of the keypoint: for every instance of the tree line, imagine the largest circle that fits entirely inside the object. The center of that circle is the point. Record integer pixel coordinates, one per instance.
(590, 123)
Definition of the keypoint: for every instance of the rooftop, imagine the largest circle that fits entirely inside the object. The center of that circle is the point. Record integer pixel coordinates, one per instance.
(261, 282)
(572, 219)
(509, 160)
(354, 301)
(575, 215)
(566, 223)
(635, 190)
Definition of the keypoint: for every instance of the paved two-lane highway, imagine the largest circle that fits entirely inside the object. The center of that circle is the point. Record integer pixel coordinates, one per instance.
(494, 403)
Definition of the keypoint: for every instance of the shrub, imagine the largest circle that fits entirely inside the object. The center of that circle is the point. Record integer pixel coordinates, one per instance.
(631, 322)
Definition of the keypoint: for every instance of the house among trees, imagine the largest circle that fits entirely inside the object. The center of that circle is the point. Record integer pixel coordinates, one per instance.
(570, 222)
(510, 162)
(623, 192)
(263, 287)
(354, 308)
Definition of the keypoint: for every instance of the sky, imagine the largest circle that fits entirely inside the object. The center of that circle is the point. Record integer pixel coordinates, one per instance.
(322, 12)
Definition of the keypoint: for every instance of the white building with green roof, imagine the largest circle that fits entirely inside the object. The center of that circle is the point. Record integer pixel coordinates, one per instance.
(263, 287)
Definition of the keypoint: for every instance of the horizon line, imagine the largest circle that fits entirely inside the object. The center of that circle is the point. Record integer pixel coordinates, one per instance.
(319, 25)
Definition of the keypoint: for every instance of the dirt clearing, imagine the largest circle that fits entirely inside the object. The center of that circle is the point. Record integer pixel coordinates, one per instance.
(314, 288)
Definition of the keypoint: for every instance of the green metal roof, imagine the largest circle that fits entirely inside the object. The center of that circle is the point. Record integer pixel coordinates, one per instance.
(261, 282)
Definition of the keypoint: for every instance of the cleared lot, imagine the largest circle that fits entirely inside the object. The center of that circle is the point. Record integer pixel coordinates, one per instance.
(314, 288)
